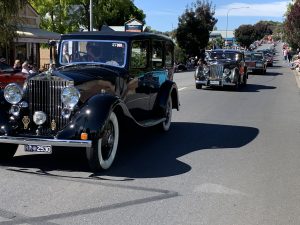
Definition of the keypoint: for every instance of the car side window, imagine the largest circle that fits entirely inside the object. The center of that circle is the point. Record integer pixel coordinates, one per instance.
(169, 61)
(139, 54)
(157, 54)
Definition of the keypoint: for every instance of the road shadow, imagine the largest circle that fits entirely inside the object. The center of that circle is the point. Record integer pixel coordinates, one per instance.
(147, 153)
(255, 88)
(248, 88)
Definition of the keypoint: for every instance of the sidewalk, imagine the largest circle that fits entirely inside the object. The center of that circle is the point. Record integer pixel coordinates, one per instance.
(297, 76)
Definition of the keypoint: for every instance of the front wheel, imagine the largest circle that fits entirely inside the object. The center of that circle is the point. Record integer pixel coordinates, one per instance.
(198, 86)
(245, 79)
(7, 151)
(103, 151)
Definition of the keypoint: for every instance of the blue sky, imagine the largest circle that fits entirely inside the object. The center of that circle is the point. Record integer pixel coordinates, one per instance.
(162, 15)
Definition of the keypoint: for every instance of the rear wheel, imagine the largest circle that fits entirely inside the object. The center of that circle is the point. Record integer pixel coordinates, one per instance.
(165, 126)
(7, 151)
(103, 151)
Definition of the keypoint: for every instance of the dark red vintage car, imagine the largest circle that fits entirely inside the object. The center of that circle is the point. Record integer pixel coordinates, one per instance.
(9, 75)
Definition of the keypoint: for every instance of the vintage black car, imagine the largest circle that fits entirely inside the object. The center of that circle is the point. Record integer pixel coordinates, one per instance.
(101, 78)
(256, 62)
(222, 67)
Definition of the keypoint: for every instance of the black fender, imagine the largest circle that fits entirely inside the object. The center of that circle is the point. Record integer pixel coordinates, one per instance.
(91, 117)
(5, 126)
(235, 75)
(168, 88)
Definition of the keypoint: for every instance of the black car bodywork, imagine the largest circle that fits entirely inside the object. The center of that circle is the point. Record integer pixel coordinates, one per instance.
(84, 100)
(256, 62)
(222, 67)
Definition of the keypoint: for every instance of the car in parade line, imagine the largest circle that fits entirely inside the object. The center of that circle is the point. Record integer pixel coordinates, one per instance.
(9, 75)
(268, 56)
(256, 62)
(100, 78)
(222, 67)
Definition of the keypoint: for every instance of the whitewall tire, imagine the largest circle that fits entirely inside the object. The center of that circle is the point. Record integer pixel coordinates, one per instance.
(103, 152)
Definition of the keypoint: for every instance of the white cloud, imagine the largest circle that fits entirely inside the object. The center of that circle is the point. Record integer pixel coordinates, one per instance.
(275, 9)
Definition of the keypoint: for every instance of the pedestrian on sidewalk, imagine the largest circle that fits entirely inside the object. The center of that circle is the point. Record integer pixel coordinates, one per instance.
(285, 52)
(289, 56)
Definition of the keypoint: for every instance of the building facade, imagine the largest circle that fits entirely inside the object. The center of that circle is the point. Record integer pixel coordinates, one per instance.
(26, 47)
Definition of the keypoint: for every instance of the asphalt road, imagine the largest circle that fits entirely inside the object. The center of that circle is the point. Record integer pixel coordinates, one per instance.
(230, 158)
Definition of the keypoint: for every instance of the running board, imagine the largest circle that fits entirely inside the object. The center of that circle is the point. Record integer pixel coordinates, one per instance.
(149, 123)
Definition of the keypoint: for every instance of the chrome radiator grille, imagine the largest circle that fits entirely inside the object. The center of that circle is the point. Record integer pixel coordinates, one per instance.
(216, 71)
(45, 95)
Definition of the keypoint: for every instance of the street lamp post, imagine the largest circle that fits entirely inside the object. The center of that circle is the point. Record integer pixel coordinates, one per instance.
(244, 7)
(91, 15)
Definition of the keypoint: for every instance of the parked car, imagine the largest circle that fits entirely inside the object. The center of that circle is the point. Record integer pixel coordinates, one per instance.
(102, 77)
(256, 62)
(9, 75)
(223, 67)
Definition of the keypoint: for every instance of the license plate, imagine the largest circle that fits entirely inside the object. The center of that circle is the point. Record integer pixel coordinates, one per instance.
(214, 82)
(38, 148)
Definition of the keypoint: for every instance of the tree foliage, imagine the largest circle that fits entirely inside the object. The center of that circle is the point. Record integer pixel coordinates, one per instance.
(262, 28)
(9, 17)
(245, 35)
(292, 24)
(65, 16)
(194, 27)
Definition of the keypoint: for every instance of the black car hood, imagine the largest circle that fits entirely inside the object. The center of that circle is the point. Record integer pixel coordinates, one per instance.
(85, 73)
(221, 61)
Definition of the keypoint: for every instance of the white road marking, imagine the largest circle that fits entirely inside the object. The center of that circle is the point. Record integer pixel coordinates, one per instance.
(180, 89)
(217, 189)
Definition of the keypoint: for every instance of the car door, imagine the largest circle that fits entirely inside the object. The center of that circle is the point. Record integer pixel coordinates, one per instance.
(138, 93)
(161, 58)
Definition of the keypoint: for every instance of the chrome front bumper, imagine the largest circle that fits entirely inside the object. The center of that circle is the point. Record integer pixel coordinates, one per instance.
(208, 83)
(39, 141)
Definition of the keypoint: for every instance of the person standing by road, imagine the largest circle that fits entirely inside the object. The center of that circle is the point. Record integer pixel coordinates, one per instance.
(289, 56)
(285, 52)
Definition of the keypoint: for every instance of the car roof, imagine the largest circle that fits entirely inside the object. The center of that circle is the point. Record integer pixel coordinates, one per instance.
(114, 35)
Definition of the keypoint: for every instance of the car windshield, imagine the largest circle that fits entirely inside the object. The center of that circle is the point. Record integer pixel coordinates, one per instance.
(257, 57)
(107, 52)
(5, 68)
(247, 56)
(223, 55)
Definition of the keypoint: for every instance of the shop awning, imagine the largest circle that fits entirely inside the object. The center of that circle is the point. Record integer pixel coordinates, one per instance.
(36, 35)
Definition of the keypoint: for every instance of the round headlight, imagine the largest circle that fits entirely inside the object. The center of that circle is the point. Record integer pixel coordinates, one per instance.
(205, 69)
(227, 71)
(13, 93)
(70, 96)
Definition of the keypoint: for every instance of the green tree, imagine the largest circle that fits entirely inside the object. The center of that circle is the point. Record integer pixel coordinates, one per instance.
(64, 16)
(245, 35)
(292, 24)
(194, 27)
(59, 16)
(262, 28)
(9, 17)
